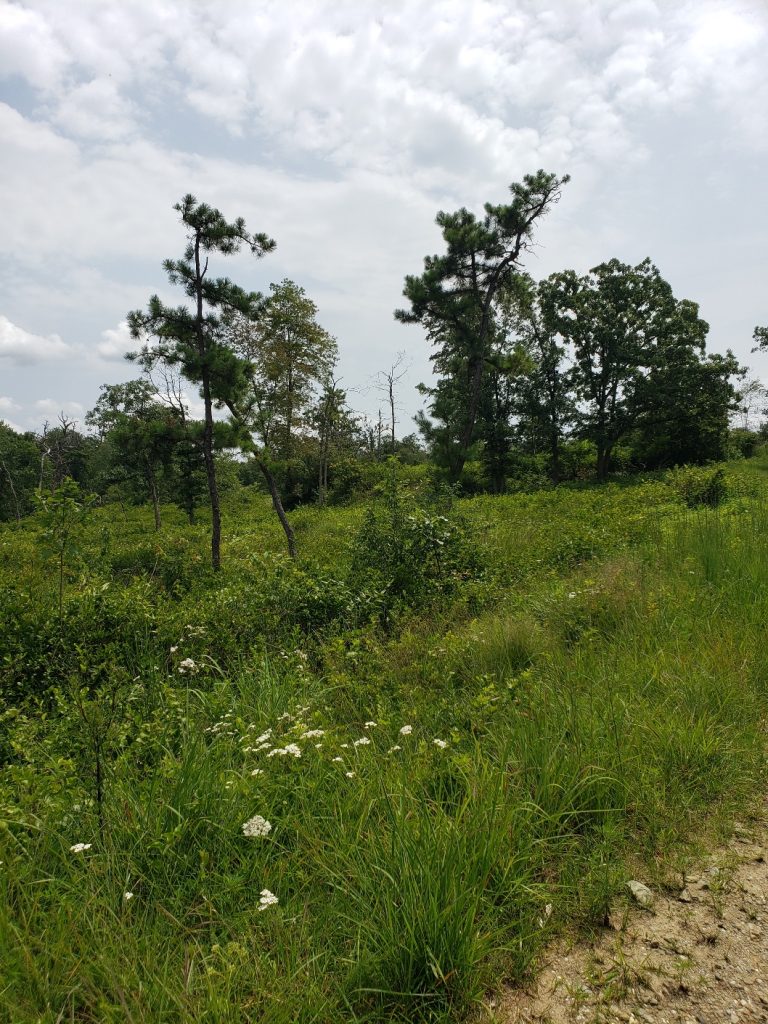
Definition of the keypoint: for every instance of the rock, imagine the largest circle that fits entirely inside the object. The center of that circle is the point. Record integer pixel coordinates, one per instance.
(641, 894)
(684, 896)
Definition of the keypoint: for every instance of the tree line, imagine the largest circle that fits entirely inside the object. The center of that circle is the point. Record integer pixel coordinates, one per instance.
(556, 378)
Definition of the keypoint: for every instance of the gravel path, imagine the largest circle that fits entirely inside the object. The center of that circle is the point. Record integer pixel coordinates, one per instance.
(696, 956)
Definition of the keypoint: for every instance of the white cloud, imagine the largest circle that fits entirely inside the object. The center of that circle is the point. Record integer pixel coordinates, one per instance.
(96, 110)
(49, 409)
(23, 348)
(116, 342)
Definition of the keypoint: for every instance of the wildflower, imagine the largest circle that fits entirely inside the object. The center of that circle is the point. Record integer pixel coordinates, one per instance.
(127, 896)
(571, 595)
(338, 758)
(256, 827)
(187, 665)
(362, 742)
(393, 749)
(442, 744)
(80, 847)
(267, 899)
(546, 915)
(291, 748)
(406, 730)
(264, 737)
(174, 649)
(248, 750)
(344, 746)
(313, 734)
(263, 746)
(257, 771)
(350, 775)
(371, 725)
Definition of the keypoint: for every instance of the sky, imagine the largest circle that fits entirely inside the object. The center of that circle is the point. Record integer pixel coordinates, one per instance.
(340, 129)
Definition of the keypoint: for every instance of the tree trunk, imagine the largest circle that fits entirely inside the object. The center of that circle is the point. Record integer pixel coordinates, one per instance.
(210, 472)
(155, 497)
(277, 504)
(603, 462)
(210, 465)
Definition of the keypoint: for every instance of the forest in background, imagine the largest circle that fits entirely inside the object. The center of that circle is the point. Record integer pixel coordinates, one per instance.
(571, 378)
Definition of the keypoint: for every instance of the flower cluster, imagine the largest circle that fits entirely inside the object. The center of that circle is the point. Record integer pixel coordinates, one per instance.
(256, 827)
(80, 847)
(267, 899)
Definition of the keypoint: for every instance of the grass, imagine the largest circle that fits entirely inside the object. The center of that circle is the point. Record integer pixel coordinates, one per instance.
(600, 690)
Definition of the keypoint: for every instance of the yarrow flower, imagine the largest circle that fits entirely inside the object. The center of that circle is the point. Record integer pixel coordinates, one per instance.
(256, 827)
(406, 730)
(393, 749)
(80, 847)
(264, 737)
(350, 775)
(257, 771)
(187, 665)
(338, 759)
(440, 743)
(362, 742)
(371, 725)
(291, 748)
(313, 734)
(127, 896)
(267, 899)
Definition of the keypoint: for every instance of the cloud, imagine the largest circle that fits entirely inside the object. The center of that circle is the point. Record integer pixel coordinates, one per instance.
(24, 349)
(116, 342)
(51, 408)
(96, 110)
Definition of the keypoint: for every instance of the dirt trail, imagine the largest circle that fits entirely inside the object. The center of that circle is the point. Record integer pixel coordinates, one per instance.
(698, 956)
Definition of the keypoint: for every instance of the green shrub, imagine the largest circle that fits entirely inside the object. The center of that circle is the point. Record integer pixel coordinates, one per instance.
(699, 485)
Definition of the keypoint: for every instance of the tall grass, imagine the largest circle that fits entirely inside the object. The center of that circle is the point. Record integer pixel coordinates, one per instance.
(587, 724)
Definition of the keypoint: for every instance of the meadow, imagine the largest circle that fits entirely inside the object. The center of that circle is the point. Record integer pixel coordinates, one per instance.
(373, 784)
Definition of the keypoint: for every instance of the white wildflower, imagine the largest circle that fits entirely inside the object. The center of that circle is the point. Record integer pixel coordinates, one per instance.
(187, 665)
(371, 725)
(174, 649)
(440, 743)
(264, 737)
(256, 827)
(344, 746)
(257, 771)
(127, 896)
(267, 899)
(248, 750)
(318, 745)
(393, 749)
(263, 746)
(291, 748)
(313, 734)
(350, 775)
(406, 730)
(80, 847)
(338, 759)
(571, 595)
(362, 742)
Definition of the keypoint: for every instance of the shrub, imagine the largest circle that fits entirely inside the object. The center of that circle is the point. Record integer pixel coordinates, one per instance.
(699, 485)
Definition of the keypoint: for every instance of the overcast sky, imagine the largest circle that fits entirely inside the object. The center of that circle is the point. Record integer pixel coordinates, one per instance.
(340, 129)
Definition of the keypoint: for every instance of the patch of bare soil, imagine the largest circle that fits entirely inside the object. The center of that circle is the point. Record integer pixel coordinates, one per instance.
(698, 956)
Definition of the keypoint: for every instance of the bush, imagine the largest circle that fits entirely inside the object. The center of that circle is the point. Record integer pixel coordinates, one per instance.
(699, 485)
(406, 554)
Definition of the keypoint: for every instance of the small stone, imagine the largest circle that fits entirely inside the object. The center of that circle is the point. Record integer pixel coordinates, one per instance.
(641, 894)
(685, 896)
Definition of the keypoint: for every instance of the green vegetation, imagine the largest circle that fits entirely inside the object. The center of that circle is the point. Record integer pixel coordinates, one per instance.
(371, 782)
